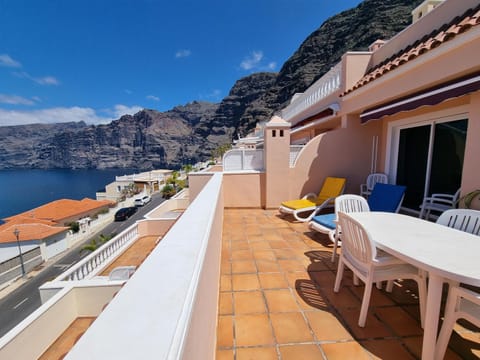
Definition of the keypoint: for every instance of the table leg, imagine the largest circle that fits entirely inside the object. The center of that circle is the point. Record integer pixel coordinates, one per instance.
(434, 299)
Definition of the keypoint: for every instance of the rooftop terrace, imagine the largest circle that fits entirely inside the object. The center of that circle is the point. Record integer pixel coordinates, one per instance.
(277, 300)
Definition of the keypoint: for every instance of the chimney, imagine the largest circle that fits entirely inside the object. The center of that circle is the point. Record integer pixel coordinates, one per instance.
(424, 8)
(377, 44)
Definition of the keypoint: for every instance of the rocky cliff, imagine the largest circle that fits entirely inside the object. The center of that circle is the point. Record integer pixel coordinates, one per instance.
(187, 134)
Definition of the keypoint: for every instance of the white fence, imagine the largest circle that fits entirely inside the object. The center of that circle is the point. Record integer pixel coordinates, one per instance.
(243, 160)
(294, 151)
(326, 85)
(87, 266)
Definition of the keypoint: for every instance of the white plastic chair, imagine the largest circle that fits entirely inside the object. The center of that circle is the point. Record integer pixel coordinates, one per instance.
(461, 219)
(328, 224)
(438, 202)
(371, 265)
(372, 179)
(461, 304)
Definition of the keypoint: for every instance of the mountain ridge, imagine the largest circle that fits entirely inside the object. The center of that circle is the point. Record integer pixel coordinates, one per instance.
(190, 133)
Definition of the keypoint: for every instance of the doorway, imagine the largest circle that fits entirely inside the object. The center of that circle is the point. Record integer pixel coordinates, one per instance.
(430, 159)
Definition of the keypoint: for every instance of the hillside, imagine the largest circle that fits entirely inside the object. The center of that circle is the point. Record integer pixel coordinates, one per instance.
(187, 134)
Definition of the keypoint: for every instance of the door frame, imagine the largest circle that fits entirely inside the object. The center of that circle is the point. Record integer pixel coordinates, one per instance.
(431, 118)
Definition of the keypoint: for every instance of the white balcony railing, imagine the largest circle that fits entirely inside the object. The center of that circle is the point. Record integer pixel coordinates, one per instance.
(243, 160)
(89, 265)
(323, 87)
(170, 303)
(294, 151)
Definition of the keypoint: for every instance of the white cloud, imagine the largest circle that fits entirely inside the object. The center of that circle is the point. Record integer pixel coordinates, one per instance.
(7, 61)
(15, 100)
(214, 95)
(64, 114)
(47, 116)
(129, 92)
(47, 80)
(272, 65)
(120, 110)
(252, 60)
(153, 97)
(183, 53)
(44, 80)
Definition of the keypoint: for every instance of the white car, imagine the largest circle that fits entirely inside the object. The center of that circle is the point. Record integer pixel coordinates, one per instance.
(142, 200)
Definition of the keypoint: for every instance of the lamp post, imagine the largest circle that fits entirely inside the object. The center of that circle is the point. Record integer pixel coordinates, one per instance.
(16, 232)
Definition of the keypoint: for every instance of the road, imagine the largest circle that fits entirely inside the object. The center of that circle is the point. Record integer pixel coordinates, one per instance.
(24, 300)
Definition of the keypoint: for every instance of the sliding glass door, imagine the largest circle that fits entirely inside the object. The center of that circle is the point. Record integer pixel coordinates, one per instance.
(430, 159)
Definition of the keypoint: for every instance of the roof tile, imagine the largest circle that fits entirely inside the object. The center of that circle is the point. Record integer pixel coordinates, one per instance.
(428, 42)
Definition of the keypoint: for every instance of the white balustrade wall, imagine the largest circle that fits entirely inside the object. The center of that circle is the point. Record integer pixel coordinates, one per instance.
(89, 266)
(243, 160)
(294, 151)
(326, 85)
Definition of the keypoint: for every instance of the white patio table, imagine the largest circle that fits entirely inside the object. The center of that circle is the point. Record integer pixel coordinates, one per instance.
(446, 253)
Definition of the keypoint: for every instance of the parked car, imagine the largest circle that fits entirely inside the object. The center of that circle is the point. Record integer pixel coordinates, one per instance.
(142, 200)
(125, 213)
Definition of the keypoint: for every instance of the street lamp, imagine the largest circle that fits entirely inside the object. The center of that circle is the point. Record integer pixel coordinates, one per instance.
(16, 232)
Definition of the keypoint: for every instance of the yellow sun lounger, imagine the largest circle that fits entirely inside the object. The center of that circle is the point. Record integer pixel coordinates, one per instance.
(332, 187)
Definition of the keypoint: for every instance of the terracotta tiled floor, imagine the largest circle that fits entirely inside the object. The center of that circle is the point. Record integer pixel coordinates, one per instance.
(134, 255)
(277, 301)
(66, 341)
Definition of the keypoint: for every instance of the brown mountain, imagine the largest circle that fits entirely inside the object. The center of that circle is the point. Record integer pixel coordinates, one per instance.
(187, 134)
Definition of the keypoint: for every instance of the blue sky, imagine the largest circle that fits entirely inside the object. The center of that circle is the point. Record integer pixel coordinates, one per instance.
(95, 60)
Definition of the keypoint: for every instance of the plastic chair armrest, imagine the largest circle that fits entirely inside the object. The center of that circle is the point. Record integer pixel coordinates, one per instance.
(466, 294)
(310, 196)
(444, 196)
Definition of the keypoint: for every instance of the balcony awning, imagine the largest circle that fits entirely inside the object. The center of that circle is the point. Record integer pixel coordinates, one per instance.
(430, 97)
(320, 116)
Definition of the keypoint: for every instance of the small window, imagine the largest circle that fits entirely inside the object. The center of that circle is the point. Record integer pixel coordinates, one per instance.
(274, 133)
(281, 133)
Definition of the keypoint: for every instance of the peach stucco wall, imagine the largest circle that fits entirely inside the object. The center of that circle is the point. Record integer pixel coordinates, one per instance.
(471, 170)
(454, 60)
(244, 190)
(196, 182)
(341, 153)
(468, 105)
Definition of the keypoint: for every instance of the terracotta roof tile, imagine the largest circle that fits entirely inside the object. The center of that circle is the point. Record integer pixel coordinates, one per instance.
(43, 221)
(63, 208)
(436, 38)
(33, 231)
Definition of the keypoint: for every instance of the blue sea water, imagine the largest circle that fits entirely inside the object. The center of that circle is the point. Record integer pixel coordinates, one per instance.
(22, 190)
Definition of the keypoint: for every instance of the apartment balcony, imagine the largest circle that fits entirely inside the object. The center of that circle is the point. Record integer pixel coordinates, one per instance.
(277, 300)
(327, 85)
(227, 284)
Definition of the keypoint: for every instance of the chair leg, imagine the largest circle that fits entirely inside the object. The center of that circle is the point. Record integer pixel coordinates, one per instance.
(389, 287)
(422, 295)
(446, 330)
(365, 302)
(334, 238)
(422, 211)
(355, 280)
(338, 279)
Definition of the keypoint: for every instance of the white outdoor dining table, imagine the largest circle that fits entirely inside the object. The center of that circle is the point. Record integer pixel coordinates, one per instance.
(446, 253)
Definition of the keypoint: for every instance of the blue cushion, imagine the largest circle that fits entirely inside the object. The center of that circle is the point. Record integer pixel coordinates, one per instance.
(386, 197)
(327, 220)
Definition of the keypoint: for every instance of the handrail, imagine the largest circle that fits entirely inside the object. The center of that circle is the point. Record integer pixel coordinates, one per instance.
(87, 266)
(177, 283)
(243, 160)
(294, 152)
(326, 85)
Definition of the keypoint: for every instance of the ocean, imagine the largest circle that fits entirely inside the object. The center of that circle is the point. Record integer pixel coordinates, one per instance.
(22, 190)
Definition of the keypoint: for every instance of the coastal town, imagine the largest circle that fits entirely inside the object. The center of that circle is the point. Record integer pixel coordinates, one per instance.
(345, 226)
(36, 236)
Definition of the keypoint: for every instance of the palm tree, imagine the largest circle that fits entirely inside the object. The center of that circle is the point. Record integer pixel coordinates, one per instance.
(187, 168)
(94, 244)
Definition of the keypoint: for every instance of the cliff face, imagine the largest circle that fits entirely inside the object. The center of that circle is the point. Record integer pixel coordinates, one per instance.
(187, 134)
